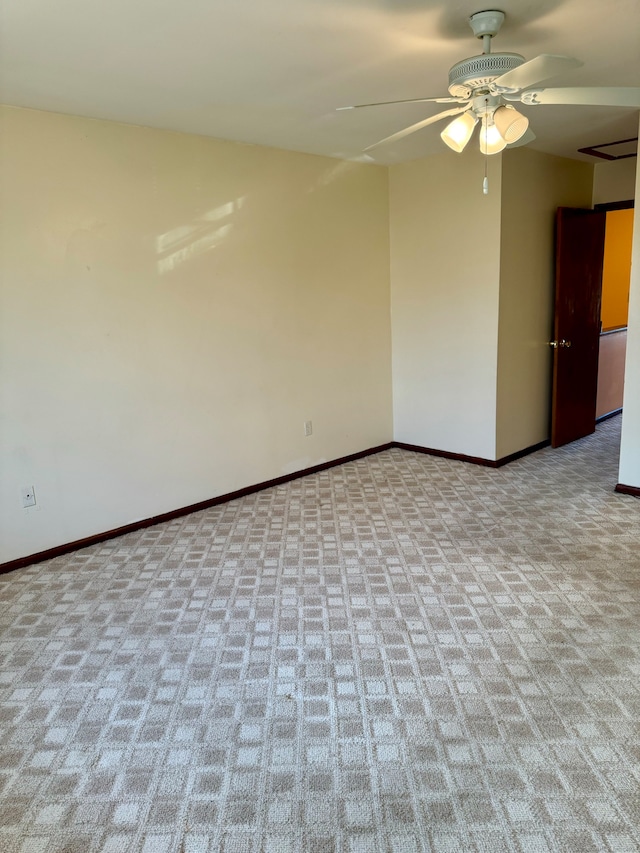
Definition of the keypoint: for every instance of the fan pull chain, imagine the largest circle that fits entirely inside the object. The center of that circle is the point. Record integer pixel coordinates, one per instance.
(485, 182)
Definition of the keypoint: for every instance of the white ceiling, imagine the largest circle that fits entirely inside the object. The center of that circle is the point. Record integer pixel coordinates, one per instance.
(272, 72)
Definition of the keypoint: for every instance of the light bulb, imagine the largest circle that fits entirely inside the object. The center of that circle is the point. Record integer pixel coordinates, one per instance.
(511, 124)
(490, 140)
(458, 132)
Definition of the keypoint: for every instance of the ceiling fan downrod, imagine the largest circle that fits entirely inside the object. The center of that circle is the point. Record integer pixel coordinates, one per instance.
(485, 26)
(483, 87)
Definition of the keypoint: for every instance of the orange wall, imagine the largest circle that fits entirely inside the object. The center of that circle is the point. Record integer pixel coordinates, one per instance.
(617, 268)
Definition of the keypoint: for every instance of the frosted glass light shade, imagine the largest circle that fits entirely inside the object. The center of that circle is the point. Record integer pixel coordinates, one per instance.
(491, 142)
(510, 123)
(458, 132)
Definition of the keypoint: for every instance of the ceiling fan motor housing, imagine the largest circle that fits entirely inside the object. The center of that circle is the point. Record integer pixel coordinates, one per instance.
(479, 71)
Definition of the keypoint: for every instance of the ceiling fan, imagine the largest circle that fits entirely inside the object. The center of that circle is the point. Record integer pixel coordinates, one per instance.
(483, 87)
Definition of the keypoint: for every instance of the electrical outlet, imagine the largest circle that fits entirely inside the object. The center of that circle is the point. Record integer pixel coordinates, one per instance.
(28, 496)
(308, 428)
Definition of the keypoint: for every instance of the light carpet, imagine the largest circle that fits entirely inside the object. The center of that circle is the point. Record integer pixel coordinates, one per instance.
(401, 654)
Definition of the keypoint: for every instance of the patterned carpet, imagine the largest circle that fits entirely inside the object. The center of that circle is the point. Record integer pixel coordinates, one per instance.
(402, 654)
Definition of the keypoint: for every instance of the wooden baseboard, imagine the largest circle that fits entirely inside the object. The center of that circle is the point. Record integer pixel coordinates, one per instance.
(628, 490)
(606, 417)
(474, 460)
(519, 454)
(445, 454)
(59, 550)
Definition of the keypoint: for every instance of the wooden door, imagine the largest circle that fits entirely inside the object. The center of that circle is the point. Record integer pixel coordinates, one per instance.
(579, 257)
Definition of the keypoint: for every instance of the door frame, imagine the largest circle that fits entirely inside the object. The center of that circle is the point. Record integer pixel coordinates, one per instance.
(615, 205)
(625, 204)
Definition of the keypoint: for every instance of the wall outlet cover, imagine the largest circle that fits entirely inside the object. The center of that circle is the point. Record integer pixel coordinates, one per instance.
(28, 496)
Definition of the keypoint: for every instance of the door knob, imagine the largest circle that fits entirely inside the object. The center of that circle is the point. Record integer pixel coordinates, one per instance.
(562, 344)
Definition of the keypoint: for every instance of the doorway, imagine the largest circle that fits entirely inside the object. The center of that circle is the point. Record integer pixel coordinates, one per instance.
(591, 308)
(616, 276)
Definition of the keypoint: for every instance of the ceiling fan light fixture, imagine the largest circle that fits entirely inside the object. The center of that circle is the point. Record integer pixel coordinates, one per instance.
(458, 132)
(483, 87)
(511, 124)
(491, 142)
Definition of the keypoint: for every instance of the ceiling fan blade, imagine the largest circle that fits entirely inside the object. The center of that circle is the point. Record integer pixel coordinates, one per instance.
(601, 96)
(525, 139)
(535, 71)
(443, 100)
(417, 126)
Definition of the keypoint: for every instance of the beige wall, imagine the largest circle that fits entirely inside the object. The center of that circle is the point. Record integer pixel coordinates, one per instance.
(172, 309)
(629, 472)
(534, 185)
(611, 358)
(614, 180)
(445, 256)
